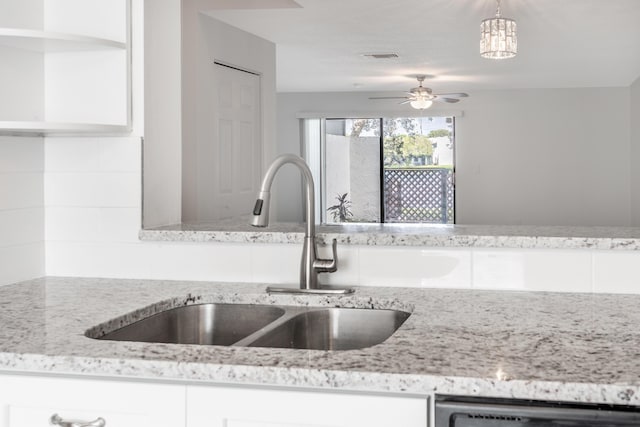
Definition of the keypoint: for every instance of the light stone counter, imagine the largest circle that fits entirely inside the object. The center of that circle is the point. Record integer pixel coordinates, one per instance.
(479, 236)
(569, 347)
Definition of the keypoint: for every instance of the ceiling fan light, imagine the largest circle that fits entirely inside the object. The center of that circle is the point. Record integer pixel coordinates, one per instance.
(498, 37)
(421, 104)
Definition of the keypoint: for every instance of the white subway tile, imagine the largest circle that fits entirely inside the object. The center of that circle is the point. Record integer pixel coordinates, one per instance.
(21, 262)
(616, 272)
(122, 189)
(120, 154)
(21, 190)
(532, 270)
(93, 189)
(276, 263)
(71, 189)
(72, 154)
(72, 224)
(20, 154)
(79, 224)
(97, 259)
(415, 267)
(119, 224)
(150, 260)
(21, 226)
(198, 261)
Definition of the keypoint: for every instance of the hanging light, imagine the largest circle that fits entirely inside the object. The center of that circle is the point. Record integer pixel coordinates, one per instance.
(498, 37)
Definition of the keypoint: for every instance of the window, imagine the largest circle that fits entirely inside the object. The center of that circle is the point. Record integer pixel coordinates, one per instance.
(397, 170)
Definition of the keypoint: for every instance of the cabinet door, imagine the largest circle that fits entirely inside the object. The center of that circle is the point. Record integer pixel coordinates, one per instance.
(237, 407)
(32, 401)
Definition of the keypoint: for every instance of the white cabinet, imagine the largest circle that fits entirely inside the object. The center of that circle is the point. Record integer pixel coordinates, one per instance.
(239, 407)
(66, 66)
(31, 402)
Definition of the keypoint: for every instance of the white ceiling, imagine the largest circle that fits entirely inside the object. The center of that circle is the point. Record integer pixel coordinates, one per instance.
(561, 43)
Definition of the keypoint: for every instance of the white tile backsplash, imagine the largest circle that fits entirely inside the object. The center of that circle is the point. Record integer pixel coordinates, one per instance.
(21, 154)
(72, 224)
(72, 155)
(21, 226)
(118, 189)
(616, 272)
(120, 155)
(410, 266)
(21, 208)
(115, 154)
(119, 224)
(21, 262)
(168, 261)
(97, 259)
(274, 263)
(21, 190)
(532, 270)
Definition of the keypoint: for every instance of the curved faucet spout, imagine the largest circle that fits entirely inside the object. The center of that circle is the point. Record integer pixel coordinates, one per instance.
(261, 208)
(310, 264)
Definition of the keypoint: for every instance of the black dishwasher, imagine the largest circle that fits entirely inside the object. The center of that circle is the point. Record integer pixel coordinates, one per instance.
(479, 412)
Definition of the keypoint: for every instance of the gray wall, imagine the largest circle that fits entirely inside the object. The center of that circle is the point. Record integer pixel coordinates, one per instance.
(530, 156)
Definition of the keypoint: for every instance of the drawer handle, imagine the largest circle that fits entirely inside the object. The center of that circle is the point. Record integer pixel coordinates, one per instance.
(56, 420)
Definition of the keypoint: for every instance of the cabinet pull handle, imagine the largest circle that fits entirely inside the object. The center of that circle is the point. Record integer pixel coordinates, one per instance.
(56, 420)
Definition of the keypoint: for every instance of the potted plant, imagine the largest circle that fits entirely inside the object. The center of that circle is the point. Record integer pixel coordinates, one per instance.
(341, 212)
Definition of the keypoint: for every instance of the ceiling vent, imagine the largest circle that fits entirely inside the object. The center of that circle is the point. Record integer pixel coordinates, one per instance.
(381, 55)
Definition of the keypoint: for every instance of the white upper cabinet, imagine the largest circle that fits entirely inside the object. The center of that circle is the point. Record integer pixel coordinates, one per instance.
(66, 66)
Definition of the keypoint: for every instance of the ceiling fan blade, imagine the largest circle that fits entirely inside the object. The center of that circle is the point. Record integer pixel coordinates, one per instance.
(388, 97)
(448, 100)
(452, 95)
(406, 102)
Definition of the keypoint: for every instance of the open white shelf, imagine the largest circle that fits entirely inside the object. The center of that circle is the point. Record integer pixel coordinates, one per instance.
(45, 41)
(50, 128)
(66, 67)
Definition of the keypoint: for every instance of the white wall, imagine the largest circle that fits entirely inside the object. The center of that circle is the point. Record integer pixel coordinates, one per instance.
(206, 40)
(162, 101)
(21, 209)
(635, 153)
(538, 157)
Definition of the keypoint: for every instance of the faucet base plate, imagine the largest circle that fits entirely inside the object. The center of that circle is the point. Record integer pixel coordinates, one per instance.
(319, 291)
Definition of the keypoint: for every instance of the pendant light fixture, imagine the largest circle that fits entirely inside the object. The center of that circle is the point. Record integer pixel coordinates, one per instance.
(498, 37)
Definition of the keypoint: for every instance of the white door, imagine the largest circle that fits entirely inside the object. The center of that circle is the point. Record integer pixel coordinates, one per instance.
(237, 152)
(31, 402)
(237, 407)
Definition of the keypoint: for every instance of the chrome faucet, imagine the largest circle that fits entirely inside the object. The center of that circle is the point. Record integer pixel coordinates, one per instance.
(310, 265)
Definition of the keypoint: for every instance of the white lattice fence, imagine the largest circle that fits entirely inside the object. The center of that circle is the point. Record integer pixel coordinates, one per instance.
(418, 195)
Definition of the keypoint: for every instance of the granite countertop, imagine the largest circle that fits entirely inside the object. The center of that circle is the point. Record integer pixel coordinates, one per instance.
(480, 236)
(569, 347)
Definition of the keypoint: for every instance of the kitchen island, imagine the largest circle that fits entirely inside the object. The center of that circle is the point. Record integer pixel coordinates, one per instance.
(543, 346)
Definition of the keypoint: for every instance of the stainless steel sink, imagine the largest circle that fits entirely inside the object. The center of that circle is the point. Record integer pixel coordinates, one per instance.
(212, 324)
(334, 329)
(275, 326)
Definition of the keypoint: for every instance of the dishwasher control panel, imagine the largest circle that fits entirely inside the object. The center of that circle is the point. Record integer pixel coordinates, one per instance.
(457, 411)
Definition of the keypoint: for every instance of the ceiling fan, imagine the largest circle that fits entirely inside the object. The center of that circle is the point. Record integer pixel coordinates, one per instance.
(422, 97)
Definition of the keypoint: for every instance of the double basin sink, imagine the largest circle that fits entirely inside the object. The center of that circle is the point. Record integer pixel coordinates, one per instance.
(275, 326)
